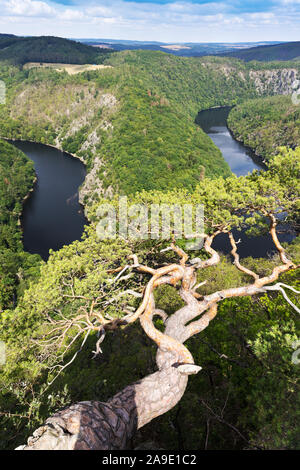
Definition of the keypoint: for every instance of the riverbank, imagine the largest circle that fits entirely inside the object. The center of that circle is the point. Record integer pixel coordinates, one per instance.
(258, 158)
(60, 149)
(91, 176)
(214, 123)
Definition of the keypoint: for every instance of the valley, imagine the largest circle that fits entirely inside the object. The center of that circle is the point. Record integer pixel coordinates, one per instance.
(92, 113)
(153, 127)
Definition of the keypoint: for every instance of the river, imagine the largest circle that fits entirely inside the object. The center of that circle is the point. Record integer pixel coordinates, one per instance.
(52, 216)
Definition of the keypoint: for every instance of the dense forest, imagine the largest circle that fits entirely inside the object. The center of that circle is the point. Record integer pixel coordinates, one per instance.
(17, 50)
(265, 124)
(133, 125)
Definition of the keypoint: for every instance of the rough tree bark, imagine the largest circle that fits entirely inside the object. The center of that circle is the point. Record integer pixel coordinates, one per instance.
(110, 425)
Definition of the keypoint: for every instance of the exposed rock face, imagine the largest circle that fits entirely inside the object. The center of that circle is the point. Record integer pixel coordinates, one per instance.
(91, 142)
(85, 108)
(108, 100)
(275, 82)
(92, 186)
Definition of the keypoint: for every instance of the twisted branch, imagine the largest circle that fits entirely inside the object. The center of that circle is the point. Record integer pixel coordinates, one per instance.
(96, 425)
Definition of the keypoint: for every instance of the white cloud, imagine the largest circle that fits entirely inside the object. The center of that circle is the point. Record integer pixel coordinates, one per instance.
(261, 16)
(180, 21)
(99, 11)
(72, 15)
(28, 8)
(203, 7)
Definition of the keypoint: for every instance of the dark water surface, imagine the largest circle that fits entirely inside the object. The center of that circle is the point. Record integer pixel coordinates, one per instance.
(241, 161)
(52, 216)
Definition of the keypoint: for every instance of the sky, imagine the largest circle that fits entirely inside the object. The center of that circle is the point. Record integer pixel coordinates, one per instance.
(173, 21)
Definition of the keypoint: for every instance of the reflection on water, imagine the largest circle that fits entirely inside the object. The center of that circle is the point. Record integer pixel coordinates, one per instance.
(241, 161)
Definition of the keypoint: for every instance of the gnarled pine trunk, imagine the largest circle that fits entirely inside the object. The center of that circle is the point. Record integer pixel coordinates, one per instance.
(94, 425)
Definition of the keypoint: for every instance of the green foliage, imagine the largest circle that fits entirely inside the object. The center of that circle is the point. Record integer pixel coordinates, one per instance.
(233, 202)
(247, 378)
(72, 144)
(245, 353)
(149, 139)
(191, 83)
(265, 124)
(16, 179)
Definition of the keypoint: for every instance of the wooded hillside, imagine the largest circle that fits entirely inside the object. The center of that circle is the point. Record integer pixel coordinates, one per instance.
(265, 124)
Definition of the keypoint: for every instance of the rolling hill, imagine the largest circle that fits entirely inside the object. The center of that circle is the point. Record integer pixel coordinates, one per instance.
(19, 50)
(286, 51)
(179, 49)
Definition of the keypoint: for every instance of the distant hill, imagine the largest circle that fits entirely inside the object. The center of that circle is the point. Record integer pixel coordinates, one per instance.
(20, 50)
(180, 49)
(285, 51)
(7, 35)
(7, 39)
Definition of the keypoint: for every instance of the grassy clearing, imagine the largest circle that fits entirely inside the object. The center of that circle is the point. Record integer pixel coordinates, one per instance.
(71, 69)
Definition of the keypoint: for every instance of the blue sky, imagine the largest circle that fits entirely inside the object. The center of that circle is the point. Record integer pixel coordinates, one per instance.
(161, 20)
